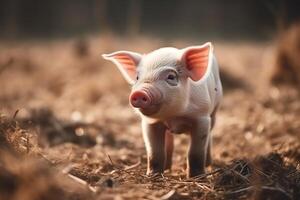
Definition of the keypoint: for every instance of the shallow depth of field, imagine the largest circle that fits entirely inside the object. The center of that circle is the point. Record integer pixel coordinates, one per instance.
(68, 132)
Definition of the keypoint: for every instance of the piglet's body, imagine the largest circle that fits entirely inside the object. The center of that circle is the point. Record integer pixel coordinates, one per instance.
(174, 91)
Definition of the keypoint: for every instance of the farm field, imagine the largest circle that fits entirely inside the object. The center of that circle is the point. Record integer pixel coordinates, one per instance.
(67, 130)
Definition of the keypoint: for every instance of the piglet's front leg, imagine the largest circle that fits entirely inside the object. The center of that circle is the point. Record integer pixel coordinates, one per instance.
(154, 138)
(196, 159)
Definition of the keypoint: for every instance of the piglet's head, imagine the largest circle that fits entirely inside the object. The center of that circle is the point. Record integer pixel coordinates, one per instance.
(161, 79)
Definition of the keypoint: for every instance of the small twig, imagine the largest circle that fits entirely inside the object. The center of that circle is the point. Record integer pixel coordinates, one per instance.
(204, 187)
(262, 173)
(16, 113)
(116, 169)
(275, 163)
(67, 169)
(110, 160)
(77, 179)
(93, 189)
(245, 165)
(240, 175)
(202, 176)
(183, 182)
(240, 190)
(44, 157)
(133, 166)
(82, 182)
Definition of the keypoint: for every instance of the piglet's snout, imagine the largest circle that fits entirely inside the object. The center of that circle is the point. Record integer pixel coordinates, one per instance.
(145, 97)
(140, 99)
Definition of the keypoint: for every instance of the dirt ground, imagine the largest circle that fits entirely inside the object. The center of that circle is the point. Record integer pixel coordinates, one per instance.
(67, 131)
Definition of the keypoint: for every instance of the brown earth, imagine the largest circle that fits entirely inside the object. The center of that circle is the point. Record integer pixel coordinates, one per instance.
(67, 131)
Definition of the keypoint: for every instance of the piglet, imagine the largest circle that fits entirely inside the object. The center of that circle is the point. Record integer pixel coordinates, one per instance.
(174, 91)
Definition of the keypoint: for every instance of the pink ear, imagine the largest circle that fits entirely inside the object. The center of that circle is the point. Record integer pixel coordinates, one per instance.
(196, 60)
(126, 62)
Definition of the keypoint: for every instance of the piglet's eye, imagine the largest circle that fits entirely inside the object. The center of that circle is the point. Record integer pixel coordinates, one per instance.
(137, 77)
(172, 79)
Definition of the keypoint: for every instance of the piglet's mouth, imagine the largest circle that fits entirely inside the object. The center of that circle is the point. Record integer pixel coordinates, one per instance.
(151, 110)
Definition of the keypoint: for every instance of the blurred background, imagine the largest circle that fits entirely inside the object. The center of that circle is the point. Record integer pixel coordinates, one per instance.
(65, 121)
(232, 19)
